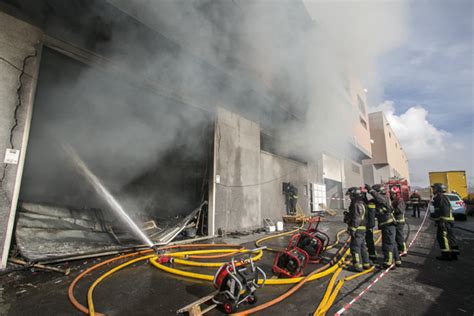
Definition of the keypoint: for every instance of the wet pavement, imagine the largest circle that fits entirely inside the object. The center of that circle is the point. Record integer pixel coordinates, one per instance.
(423, 286)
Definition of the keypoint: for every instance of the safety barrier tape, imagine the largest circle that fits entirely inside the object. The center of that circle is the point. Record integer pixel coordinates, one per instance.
(383, 273)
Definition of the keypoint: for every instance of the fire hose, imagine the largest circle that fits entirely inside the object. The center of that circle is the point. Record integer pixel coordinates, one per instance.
(334, 265)
(332, 292)
(91, 310)
(73, 284)
(291, 232)
(329, 268)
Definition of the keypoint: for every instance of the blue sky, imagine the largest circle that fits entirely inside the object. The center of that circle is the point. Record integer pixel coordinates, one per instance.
(433, 69)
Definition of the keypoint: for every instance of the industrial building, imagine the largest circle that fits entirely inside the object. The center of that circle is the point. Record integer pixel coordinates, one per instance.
(167, 124)
(388, 160)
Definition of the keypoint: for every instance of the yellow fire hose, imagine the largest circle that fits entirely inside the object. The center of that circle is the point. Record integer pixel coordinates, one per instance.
(332, 292)
(291, 232)
(201, 276)
(258, 256)
(89, 270)
(177, 257)
(336, 242)
(90, 292)
(259, 242)
(209, 277)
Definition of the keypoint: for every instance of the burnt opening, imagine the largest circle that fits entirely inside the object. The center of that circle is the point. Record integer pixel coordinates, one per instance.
(153, 154)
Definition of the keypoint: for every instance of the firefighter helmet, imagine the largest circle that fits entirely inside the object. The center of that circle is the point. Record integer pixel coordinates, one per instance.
(379, 188)
(395, 191)
(439, 188)
(354, 192)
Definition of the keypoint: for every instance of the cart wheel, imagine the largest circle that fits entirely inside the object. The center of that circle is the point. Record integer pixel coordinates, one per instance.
(229, 307)
(252, 299)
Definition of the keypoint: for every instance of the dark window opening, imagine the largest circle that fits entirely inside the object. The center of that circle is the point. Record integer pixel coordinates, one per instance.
(152, 153)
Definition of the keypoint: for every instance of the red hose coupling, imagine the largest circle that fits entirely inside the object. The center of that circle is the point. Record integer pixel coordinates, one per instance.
(163, 259)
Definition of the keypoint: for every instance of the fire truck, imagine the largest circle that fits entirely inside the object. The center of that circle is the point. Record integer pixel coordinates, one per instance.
(405, 190)
(401, 184)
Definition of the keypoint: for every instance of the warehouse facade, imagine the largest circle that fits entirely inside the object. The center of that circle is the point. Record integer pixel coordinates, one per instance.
(200, 128)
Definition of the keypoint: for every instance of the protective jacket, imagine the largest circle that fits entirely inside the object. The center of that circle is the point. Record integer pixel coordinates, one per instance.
(357, 216)
(383, 209)
(399, 208)
(371, 210)
(442, 208)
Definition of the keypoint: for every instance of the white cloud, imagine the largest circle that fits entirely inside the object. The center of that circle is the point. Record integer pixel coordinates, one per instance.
(427, 147)
(420, 139)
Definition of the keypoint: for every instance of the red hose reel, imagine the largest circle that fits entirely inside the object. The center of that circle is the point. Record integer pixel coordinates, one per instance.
(303, 248)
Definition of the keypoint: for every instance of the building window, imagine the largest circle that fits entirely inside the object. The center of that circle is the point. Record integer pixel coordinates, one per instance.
(363, 122)
(396, 145)
(389, 135)
(361, 104)
(355, 168)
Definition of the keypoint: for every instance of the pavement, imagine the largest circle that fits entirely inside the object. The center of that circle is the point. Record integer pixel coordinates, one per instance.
(423, 286)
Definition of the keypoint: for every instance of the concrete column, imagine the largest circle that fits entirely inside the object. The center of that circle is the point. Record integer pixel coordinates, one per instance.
(19, 61)
(237, 200)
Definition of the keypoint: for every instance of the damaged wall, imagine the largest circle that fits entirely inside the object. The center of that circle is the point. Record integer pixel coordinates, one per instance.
(238, 161)
(18, 73)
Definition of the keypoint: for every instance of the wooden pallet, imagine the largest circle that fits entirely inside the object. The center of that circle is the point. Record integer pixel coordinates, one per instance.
(194, 309)
(293, 218)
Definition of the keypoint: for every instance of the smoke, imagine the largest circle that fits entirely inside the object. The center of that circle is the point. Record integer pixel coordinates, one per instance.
(285, 64)
(303, 54)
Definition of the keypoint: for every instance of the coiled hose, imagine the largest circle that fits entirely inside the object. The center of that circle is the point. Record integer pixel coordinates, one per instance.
(74, 283)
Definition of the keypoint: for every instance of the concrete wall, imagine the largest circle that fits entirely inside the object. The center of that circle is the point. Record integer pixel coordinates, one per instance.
(249, 181)
(361, 133)
(275, 170)
(18, 40)
(386, 148)
(368, 171)
(377, 133)
(237, 148)
(382, 172)
(353, 174)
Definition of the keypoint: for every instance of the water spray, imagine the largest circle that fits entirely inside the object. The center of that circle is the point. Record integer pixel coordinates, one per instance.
(103, 192)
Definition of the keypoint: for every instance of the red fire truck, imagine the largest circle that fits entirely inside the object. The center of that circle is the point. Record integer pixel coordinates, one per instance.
(405, 190)
(402, 185)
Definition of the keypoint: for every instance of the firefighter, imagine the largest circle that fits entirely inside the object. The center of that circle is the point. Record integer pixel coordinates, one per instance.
(291, 195)
(369, 233)
(415, 199)
(356, 220)
(399, 207)
(443, 215)
(386, 223)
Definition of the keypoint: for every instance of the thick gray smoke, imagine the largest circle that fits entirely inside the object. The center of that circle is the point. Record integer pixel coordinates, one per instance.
(306, 52)
(294, 57)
